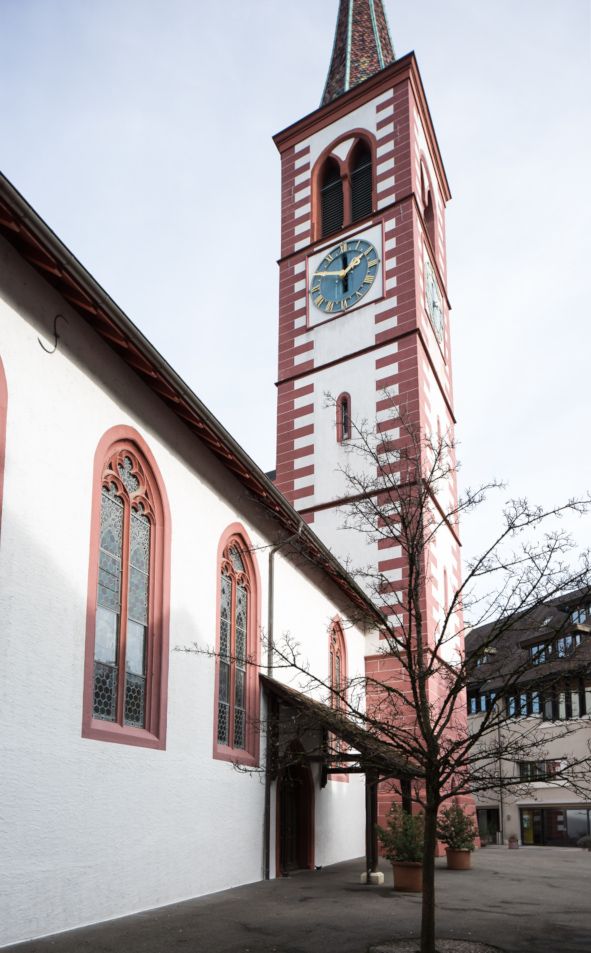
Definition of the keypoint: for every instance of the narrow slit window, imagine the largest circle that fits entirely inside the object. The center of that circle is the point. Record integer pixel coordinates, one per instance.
(344, 427)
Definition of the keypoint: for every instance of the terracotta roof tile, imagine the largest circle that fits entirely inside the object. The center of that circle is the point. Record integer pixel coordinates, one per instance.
(362, 46)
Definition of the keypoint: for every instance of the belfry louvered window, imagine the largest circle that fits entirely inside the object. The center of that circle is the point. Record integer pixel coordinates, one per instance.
(361, 183)
(331, 198)
(235, 597)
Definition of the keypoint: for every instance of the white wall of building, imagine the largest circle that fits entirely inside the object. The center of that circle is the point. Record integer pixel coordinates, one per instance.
(94, 830)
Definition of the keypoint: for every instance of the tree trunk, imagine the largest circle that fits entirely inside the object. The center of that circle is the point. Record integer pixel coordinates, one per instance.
(428, 906)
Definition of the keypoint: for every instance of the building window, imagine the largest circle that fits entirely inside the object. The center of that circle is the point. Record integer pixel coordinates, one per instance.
(127, 636)
(338, 664)
(331, 198)
(524, 704)
(338, 690)
(480, 702)
(428, 207)
(344, 418)
(236, 735)
(344, 190)
(567, 701)
(3, 406)
(538, 770)
(560, 647)
(361, 178)
(581, 616)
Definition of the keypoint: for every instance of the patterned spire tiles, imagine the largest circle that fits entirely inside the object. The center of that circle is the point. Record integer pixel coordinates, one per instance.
(362, 46)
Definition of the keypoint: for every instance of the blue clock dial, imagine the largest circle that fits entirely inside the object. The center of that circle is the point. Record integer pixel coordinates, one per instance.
(344, 276)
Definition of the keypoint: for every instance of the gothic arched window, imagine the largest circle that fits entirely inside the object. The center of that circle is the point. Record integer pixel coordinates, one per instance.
(338, 664)
(331, 198)
(3, 404)
(361, 179)
(237, 695)
(127, 637)
(428, 208)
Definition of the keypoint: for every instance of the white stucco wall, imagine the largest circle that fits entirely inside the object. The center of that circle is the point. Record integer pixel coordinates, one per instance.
(93, 830)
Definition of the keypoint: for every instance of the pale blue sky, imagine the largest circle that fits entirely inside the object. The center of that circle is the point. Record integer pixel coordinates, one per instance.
(141, 131)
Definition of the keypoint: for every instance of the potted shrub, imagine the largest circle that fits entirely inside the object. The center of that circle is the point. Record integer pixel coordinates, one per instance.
(584, 842)
(403, 841)
(457, 831)
(513, 842)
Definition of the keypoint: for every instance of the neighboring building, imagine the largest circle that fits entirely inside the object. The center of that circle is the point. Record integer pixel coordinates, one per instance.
(133, 525)
(539, 674)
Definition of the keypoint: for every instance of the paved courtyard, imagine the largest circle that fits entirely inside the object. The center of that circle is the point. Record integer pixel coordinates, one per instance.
(531, 900)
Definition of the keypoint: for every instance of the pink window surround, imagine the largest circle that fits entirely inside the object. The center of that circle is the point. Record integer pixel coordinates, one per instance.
(338, 679)
(427, 202)
(3, 410)
(235, 536)
(113, 447)
(343, 417)
(359, 138)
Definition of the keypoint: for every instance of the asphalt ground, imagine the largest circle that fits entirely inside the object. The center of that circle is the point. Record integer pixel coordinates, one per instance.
(531, 900)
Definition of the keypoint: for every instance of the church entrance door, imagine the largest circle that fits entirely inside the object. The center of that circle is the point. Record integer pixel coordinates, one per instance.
(295, 811)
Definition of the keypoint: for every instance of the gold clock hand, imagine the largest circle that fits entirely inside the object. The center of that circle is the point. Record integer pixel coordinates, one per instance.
(330, 274)
(352, 264)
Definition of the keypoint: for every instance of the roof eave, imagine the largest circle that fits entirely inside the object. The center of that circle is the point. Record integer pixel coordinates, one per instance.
(122, 335)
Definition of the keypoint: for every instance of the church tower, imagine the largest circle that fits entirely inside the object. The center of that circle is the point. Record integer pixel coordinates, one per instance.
(363, 299)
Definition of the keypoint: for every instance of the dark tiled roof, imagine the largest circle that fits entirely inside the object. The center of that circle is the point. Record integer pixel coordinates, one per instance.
(374, 752)
(508, 644)
(362, 46)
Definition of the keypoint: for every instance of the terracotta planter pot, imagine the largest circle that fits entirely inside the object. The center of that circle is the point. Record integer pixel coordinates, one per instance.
(408, 876)
(458, 859)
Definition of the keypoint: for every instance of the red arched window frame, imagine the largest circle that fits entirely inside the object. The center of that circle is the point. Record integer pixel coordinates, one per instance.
(344, 425)
(128, 607)
(337, 652)
(3, 411)
(428, 204)
(338, 664)
(237, 695)
(360, 138)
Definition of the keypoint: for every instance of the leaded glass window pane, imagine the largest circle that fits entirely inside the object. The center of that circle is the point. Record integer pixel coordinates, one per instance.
(239, 728)
(137, 616)
(224, 704)
(135, 693)
(225, 612)
(241, 615)
(108, 606)
(236, 559)
(106, 636)
(130, 482)
(105, 692)
(135, 650)
(239, 713)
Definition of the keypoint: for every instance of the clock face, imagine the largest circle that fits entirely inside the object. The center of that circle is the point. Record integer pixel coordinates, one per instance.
(344, 276)
(433, 300)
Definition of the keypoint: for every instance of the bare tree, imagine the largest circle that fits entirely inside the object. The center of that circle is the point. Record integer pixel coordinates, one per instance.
(411, 730)
(402, 490)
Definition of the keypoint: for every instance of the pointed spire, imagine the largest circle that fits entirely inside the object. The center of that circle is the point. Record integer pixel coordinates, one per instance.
(362, 46)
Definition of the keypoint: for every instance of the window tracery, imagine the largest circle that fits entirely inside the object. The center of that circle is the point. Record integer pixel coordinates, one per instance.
(127, 639)
(236, 681)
